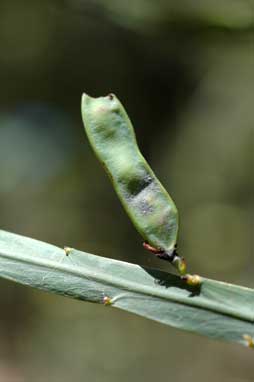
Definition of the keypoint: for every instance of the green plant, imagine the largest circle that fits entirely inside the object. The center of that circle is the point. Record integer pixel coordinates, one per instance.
(212, 308)
(215, 309)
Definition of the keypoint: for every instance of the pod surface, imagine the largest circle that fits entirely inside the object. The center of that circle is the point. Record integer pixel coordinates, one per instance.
(145, 200)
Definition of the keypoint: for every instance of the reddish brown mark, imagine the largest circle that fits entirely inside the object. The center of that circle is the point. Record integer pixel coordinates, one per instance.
(152, 249)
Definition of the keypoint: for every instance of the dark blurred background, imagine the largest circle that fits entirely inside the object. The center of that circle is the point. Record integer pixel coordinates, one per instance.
(184, 71)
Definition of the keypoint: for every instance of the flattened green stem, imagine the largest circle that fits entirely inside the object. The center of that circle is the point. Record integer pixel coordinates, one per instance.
(215, 309)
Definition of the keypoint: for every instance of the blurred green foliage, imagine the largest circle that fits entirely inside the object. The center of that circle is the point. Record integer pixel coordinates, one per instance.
(184, 71)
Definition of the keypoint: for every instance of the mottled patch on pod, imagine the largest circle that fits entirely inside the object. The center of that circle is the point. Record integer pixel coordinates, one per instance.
(145, 200)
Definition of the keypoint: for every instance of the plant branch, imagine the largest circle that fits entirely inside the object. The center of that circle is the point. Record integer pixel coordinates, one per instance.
(214, 309)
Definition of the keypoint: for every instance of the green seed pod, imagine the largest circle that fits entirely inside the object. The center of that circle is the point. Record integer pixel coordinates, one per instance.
(145, 200)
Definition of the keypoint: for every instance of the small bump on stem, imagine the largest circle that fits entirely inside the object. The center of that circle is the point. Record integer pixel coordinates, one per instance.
(107, 300)
(249, 340)
(180, 264)
(111, 96)
(192, 280)
(67, 250)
